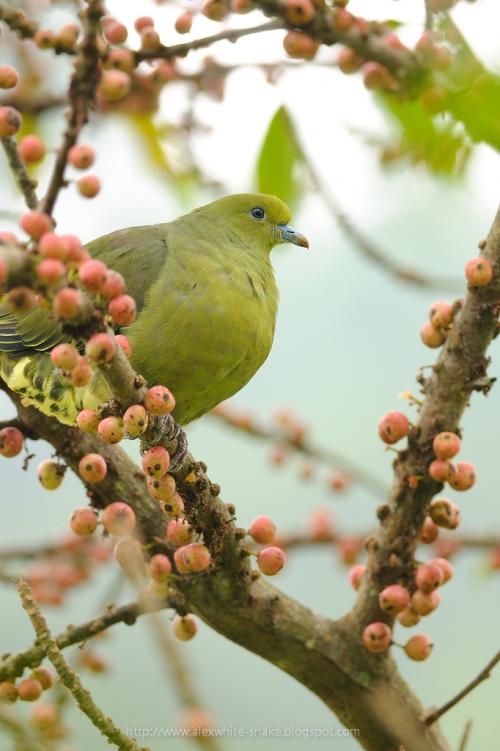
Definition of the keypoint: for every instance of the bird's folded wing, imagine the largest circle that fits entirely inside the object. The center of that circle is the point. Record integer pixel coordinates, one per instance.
(37, 331)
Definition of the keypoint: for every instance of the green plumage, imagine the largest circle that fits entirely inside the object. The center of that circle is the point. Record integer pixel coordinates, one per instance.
(207, 302)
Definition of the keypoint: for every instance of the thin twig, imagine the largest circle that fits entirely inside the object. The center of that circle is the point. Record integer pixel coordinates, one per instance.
(485, 673)
(465, 736)
(18, 168)
(68, 677)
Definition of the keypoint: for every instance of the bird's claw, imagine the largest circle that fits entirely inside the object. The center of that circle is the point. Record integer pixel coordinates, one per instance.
(164, 429)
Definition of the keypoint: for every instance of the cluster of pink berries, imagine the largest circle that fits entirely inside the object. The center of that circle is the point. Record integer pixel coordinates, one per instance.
(460, 476)
(271, 558)
(28, 689)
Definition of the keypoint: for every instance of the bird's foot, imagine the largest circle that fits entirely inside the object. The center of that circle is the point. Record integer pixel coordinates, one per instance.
(163, 430)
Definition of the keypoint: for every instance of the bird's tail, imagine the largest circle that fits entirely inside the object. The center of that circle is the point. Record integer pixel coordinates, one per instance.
(39, 383)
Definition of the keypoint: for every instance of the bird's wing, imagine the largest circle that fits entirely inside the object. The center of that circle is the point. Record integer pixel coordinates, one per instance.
(37, 331)
(137, 253)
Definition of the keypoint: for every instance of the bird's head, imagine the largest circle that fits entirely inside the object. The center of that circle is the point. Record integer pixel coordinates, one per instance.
(257, 220)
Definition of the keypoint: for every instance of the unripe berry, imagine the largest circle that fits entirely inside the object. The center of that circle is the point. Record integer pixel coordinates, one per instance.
(479, 272)
(115, 84)
(445, 566)
(128, 553)
(444, 513)
(67, 37)
(65, 356)
(431, 336)
(10, 121)
(429, 577)
(116, 33)
(92, 468)
(184, 627)
(349, 61)
(418, 647)
(429, 532)
(119, 519)
(441, 314)
(174, 506)
(8, 693)
(242, 6)
(424, 603)
(31, 149)
(162, 488)
(123, 310)
(434, 100)
(50, 270)
(81, 156)
(11, 442)
(377, 637)
(51, 245)
(377, 76)
(124, 344)
(159, 567)
(192, 558)
(179, 532)
(271, 560)
(121, 59)
(440, 470)
(155, 461)
(51, 474)
(20, 300)
(262, 530)
(299, 12)
(184, 22)
(111, 429)
(88, 420)
(84, 521)
(299, 45)
(92, 274)
(408, 617)
(81, 375)
(394, 598)
(356, 575)
(29, 689)
(463, 476)
(68, 303)
(36, 223)
(44, 676)
(90, 185)
(159, 400)
(343, 20)
(114, 285)
(45, 39)
(100, 348)
(446, 445)
(393, 426)
(135, 420)
(215, 10)
(8, 77)
(142, 22)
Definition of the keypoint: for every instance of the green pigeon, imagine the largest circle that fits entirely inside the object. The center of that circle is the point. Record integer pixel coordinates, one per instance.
(206, 300)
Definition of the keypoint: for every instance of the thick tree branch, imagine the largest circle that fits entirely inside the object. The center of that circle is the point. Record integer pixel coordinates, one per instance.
(18, 168)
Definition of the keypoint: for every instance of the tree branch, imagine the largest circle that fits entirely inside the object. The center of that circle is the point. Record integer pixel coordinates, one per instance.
(18, 168)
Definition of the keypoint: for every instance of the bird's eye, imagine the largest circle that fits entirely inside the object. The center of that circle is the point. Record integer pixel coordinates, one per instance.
(258, 213)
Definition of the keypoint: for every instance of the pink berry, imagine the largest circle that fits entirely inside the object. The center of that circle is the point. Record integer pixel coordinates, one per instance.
(444, 513)
(81, 156)
(74, 248)
(408, 617)
(192, 558)
(463, 476)
(356, 575)
(124, 344)
(8, 237)
(440, 470)
(68, 303)
(377, 637)
(479, 272)
(92, 468)
(429, 532)
(424, 603)
(446, 445)
(114, 285)
(271, 560)
(4, 272)
(184, 627)
(92, 274)
(90, 185)
(142, 22)
(88, 420)
(161, 488)
(67, 37)
(441, 314)
(8, 77)
(81, 375)
(418, 647)
(84, 521)
(431, 336)
(135, 420)
(50, 270)
(119, 519)
(123, 310)
(100, 348)
(429, 577)
(179, 532)
(121, 59)
(111, 429)
(393, 426)
(262, 530)
(128, 553)
(29, 689)
(159, 567)
(184, 22)
(11, 442)
(295, 43)
(45, 717)
(10, 121)
(159, 400)
(8, 693)
(51, 245)
(174, 506)
(155, 461)
(394, 598)
(445, 566)
(44, 676)
(116, 33)
(51, 474)
(115, 84)
(36, 223)
(32, 149)
(65, 356)
(45, 39)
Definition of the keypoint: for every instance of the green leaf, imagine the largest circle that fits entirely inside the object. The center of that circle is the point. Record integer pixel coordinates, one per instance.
(280, 162)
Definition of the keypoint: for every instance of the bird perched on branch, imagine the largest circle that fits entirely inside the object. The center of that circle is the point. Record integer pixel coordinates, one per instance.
(206, 300)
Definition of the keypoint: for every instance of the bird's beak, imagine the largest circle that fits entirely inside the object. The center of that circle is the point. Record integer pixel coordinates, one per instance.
(289, 235)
